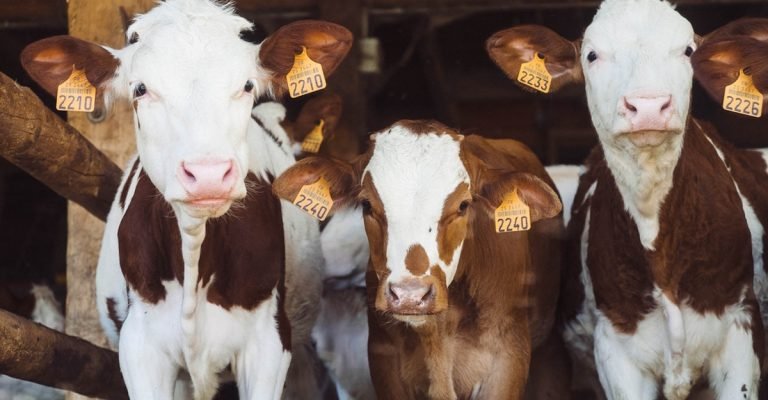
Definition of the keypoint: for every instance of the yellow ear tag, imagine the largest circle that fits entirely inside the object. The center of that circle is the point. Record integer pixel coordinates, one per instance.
(534, 74)
(305, 77)
(314, 139)
(742, 97)
(315, 199)
(76, 93)
(512, 215)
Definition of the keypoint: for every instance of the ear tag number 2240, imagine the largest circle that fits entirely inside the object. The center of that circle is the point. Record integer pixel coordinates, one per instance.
(534, 74)
(76, 93)
(512, 215)
(742, 97)
(305, 77)
(315, 199)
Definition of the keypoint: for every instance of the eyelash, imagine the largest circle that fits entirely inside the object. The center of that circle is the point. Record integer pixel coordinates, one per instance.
(139, 90)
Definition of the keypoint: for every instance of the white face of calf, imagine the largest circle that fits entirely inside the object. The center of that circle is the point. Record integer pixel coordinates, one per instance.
(192, 82)
(636, 62)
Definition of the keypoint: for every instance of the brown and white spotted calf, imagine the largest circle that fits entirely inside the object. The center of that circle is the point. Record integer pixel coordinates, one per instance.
(184, 286)
(455, 309)
(667, 234)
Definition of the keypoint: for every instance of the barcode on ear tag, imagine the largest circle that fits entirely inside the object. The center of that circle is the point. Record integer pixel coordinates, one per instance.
(534, 74)
(76, 93)
(742, 97)
(512, 215)
(305, 77)
(314, 139)
(315, 199)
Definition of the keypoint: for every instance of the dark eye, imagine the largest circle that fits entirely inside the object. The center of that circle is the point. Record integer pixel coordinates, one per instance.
(139, 90)
(592, 56)
(366, 206)
(134, 38)
(248, 87)
(463, 207)
(688, 51)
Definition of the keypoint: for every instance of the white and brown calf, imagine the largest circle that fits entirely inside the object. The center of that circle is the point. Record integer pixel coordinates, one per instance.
(667, 230)
(455, 310)
(181, 288)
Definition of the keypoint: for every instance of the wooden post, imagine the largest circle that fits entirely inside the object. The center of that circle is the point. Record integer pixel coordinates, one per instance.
(99, 21)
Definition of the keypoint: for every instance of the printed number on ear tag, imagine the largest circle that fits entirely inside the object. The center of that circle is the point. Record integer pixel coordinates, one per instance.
(312, 142)
(315, 199)
(512, 215)
(305, 77)
(534, 74)
(742, 97)
(76, 93)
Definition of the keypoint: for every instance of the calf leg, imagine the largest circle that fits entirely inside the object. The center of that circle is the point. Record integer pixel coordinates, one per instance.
(550, 372)
(261, 367)
(735, 372)
(148, 370)
(620, 377)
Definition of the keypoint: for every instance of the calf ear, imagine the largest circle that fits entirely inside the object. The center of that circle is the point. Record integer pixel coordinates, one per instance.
(512, 47)
(327, 107)
(716, 64)
(542, 200)
(340, 176)
(326, 43)
(50, 62)
(756, 28)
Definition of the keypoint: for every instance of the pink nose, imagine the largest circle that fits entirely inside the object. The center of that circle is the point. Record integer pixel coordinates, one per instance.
(208, 179)
(411, 296)
(648, 113)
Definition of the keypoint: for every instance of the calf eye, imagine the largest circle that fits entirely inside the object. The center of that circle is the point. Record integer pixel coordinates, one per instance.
(139, 90)
(366, 206)
(134, 38)
(592, 56)
(688, 51)
(463, 207)
(248, 87)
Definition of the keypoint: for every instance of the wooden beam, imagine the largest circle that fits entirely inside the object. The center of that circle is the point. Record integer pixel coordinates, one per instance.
(36, 140)
(33, 14)
(34, 353)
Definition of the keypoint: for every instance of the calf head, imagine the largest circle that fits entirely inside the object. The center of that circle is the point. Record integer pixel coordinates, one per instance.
(192, 81)
(422, 192)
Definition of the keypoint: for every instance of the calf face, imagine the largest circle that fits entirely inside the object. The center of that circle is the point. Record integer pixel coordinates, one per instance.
(419, 187)
(192, 81)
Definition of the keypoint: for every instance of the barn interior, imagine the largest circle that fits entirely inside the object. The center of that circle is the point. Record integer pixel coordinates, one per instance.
(415, 59)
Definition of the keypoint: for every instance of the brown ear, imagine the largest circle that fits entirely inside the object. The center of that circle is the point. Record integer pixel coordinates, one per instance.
(542, 200)
(50, 61)
(756, 28)
(340, 175)
(326, 43)
(716, 64)
(327, 107)
(512, 47)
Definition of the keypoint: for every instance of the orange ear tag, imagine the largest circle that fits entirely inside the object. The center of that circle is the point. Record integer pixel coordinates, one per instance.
(76, 93)
(315, 199)
(742, 97)
(512, 215)
(534, 74)
(305, 77)
(314, 139)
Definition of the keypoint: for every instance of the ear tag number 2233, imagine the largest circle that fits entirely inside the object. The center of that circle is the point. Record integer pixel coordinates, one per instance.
(76, 93)
(534, 74)
(315, 199)
(742, 97)
(512, 215)
(305, 77)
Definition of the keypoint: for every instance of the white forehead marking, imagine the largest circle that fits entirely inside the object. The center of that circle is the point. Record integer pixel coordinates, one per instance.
(413, 175)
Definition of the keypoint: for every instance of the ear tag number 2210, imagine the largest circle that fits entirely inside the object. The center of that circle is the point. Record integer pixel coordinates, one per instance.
(742, 97)
(305, 77)
(315, 199)
(512, 215)
(534, 74)
(76, 93)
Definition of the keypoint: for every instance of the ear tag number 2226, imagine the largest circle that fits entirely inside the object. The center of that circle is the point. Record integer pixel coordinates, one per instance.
(534, 74)
(742, 97)
(305, 77)
(512, 215)
(76, 93)
(315, 199)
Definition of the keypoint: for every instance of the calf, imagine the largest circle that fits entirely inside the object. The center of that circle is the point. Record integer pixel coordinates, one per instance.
(455, 309)
(667, 231)
(181, 288)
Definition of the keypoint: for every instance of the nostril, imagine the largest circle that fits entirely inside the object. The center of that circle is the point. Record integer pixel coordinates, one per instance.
(629, 106)
(188, 173)
(392, 293)
(429, 293)
(666, 105)
(229, 172)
